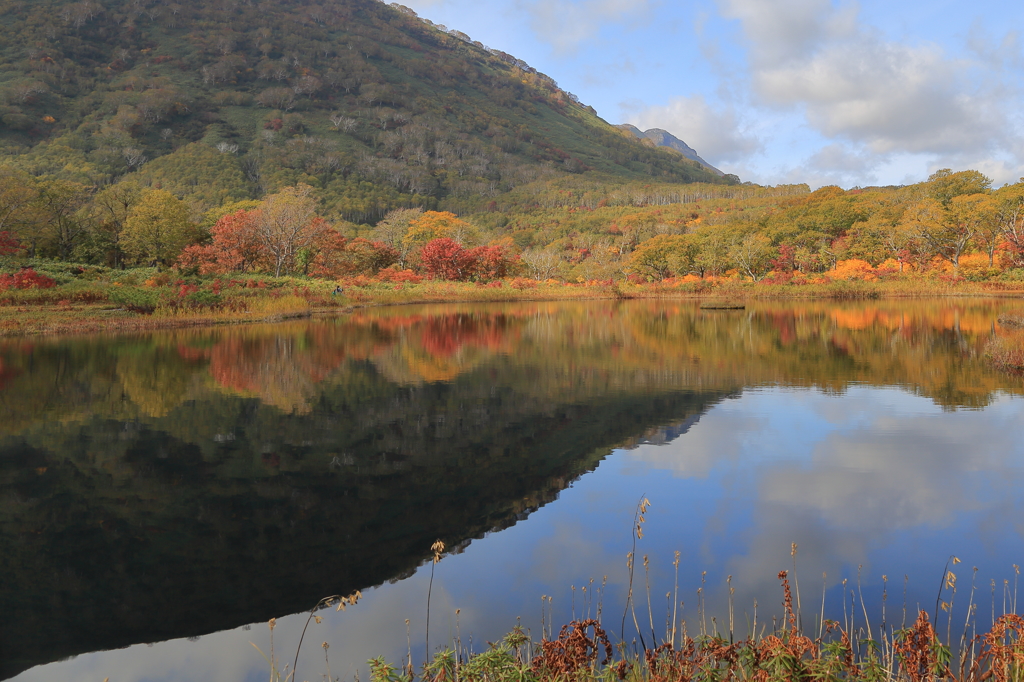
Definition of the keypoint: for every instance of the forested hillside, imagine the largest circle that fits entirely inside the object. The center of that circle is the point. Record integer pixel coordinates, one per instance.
(354, 139)
(226, 100)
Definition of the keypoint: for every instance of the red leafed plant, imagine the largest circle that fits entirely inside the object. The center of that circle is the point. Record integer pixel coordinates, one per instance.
(8, 244)
(26, 278)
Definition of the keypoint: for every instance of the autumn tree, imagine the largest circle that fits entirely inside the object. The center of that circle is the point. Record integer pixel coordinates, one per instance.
(664, 255)
(943, 185)
(157, 228)
(393, 229)
(321, 243)
(494, 261)
(60, 218)
(235, 246)
(445, 258)
(285, 224)
(712, 254)
(1009, 216)
(9, 244)
(17, 193)
(635, 228)
(542, 263)
(112, 205)
(949, 229)
(752, 254)
(984, 213)
(370, 257)
(435, 225)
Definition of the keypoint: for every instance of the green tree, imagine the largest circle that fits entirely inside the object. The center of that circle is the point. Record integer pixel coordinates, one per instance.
(663, 255)
(157, 228)
(60, 213)
(712, 256)
(112, 206)
(1009, 216)
(17, 192)
(949, 229)
(943, 185)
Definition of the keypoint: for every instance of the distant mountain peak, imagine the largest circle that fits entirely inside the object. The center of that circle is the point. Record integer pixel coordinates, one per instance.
(663, 138)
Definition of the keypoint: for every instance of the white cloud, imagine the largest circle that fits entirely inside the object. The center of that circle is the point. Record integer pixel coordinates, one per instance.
(718, 134)
(881, 97)
(782, 31)
(567, 24)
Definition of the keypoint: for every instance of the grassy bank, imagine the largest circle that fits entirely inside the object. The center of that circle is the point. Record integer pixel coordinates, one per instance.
(60, 298)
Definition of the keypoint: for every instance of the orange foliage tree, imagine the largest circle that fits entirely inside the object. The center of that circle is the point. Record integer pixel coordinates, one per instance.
(492, 262)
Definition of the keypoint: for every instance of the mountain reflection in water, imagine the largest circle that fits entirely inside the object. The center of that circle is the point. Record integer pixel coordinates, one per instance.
(176, 484)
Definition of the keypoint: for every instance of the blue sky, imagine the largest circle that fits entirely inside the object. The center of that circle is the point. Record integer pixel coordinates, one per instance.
(787, 91)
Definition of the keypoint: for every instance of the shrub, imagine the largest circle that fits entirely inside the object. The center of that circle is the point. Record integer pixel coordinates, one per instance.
(203, 298)
(399, 276)
(135, 299)
(523, 283)
(26, 278)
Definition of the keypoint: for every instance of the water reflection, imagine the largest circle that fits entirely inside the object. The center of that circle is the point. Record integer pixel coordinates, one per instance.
(176, 484)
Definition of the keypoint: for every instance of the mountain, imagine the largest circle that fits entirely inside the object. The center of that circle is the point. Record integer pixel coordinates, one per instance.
(230, 99)
(663, 138)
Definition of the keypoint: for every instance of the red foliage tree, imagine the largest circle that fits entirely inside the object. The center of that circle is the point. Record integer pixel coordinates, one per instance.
(786, 260)
(8, 244)
(445, 258)
(235, 247)
(329, 261)
(370, 257)
(491, 262)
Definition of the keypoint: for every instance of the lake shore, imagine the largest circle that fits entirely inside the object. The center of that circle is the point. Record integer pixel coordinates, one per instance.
(72, 308)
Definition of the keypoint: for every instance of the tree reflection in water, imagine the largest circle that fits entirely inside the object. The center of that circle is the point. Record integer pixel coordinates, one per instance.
(221, 477)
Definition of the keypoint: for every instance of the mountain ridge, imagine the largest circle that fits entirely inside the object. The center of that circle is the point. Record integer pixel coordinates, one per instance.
(665, 139)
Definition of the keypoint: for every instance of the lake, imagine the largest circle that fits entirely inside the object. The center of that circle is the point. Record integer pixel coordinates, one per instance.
(162, 496)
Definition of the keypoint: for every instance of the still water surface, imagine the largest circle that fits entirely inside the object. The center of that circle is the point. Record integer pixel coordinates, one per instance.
(163, 496)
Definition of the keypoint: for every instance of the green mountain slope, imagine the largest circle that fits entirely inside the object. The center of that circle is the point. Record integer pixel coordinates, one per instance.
(230, 99)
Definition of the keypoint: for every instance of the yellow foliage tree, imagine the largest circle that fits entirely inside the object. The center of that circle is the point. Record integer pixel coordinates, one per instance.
(157, 228)
(436, 225)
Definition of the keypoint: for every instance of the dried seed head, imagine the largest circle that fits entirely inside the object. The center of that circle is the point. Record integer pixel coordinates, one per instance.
(318, 619)
(272, 622)
(326, 646)
(792, 550)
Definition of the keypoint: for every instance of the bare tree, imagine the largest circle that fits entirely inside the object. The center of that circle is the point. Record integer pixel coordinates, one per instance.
(133, 158)
(542, 264)
(284, 224)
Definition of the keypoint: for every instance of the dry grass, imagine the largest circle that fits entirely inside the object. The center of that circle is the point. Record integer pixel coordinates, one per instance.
(80, 307)
(583, 652)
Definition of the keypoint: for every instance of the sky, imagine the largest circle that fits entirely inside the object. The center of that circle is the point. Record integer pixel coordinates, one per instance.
(844, 93)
